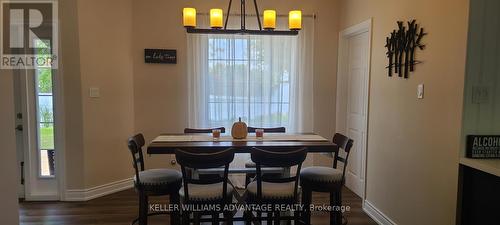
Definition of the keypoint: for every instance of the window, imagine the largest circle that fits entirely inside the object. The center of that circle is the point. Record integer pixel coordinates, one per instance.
(45, 117)
(248, 78)
(265, 80)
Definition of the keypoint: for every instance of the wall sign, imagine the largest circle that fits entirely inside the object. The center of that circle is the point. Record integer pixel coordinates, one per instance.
(483, 146)
(401, 46)
(162, 56)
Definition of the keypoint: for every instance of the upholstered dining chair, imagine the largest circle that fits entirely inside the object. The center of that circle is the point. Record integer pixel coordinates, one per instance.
(250, 164)
(197, 192)
(275, 190)
(154, 182)
(327, 179)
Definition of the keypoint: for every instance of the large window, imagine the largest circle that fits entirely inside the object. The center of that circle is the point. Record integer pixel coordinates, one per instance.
(248, 77)
(266, 80)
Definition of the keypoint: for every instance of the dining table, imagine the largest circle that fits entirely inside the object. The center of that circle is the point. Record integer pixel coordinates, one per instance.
(168, 143)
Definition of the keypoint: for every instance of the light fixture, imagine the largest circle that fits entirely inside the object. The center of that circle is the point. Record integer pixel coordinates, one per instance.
(216, 18)
(269, 19)
(295, 20)
(189, 17)
(219, 26)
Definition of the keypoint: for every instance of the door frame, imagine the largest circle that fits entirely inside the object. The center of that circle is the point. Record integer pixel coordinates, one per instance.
(59, 134)
(344, 35)
(59, 138)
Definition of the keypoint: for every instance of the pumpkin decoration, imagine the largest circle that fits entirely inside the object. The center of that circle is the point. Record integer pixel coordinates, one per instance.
(239, 130)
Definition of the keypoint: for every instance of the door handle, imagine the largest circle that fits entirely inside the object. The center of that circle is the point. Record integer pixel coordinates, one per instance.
(22, 173)
(19, 128)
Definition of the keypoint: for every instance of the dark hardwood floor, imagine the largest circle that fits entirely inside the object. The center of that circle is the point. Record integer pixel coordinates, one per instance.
(121, 208)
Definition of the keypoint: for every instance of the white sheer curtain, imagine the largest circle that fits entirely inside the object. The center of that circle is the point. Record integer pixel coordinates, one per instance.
(265, 80)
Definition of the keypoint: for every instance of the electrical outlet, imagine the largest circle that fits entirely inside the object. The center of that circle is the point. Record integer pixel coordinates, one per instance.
(420, 91)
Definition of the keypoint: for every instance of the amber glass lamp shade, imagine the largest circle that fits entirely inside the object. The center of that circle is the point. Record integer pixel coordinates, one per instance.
(295, 20)
(216, 18)
(189, 17)
(269, 19)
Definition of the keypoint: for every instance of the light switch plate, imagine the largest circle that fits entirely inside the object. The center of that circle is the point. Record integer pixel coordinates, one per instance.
(94, 92)
(420, 91)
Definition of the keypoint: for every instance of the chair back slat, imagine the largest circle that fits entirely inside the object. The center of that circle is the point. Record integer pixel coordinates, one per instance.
(278, 159)
(345, 144)
(135, 145)
(268, 130)
(190, 159)
(203, 131)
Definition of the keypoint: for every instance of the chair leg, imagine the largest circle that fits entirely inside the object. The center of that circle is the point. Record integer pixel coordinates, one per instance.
(215, 218)
(338, 213)
(306, 201)
(143, 209)
(196, 217)
(277, 218)
(229, 217)
(174, 216)
(185, 217)
(332, 204)
(269, 217)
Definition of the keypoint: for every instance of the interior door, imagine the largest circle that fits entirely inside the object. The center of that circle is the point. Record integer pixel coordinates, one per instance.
(356, 107)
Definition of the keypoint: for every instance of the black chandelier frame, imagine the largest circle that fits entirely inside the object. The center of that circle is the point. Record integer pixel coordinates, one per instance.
(243, 29)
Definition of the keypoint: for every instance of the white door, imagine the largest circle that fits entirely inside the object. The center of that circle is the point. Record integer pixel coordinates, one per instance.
(352, 98)
(35, 125)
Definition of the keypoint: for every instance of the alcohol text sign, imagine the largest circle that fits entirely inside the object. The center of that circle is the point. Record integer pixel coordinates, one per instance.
(483, 146)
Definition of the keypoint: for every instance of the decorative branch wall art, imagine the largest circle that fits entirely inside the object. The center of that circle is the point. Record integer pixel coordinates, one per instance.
(401, 46)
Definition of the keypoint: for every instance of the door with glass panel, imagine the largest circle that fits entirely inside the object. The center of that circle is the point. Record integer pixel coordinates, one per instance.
(34, 89)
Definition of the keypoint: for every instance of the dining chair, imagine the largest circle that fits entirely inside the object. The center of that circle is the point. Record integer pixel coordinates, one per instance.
(203, 173)
(197, 192)
(275, 190)
(327, 179)
(250, 164)
(153, 182)
(203, 131)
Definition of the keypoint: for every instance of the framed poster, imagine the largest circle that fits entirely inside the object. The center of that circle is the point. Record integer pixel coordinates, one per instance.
(160, 56)
(483, 146)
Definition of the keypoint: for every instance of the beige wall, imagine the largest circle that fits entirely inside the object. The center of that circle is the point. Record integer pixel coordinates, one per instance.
(103, 44)
(160, 90)
(105, 35)
(72, 93)
(413, 145)
(9, 213)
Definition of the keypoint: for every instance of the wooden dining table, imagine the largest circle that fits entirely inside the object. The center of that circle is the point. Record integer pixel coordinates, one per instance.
(168, 143)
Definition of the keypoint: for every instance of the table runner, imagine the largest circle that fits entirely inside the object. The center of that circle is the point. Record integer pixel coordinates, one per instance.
(225, 138)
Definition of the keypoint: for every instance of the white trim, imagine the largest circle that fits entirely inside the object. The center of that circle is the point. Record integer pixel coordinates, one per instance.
(98, 191)
(376, 214)
(344, 35)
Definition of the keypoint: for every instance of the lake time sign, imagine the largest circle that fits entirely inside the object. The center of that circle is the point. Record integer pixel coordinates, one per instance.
(483, 146)
(162, 56)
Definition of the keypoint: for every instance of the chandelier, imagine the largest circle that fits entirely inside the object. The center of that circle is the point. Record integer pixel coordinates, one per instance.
(219, 26)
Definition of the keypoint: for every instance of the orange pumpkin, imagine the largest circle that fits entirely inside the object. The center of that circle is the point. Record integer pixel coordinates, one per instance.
(239, 130)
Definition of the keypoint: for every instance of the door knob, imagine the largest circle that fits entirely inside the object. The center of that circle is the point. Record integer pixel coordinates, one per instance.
(19, 128)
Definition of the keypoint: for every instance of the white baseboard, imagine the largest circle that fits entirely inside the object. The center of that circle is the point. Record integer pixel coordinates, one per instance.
(98, 191)
(376, 214)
